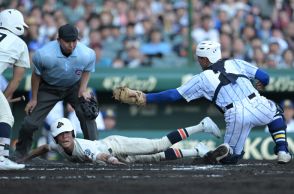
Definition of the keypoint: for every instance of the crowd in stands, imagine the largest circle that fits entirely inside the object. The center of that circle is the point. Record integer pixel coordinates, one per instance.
(154, 33)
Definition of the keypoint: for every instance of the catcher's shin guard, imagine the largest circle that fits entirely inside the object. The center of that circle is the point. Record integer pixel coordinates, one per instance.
(277, 129)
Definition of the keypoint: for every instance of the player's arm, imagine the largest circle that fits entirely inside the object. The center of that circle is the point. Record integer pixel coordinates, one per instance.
(263, 79)
(171, 95)
(84, 84)
(86, 76)
(35, 82)
(18, 73)
(129, 96)
(253, 72)
(108, 158)
(36, 79)
(36, 152)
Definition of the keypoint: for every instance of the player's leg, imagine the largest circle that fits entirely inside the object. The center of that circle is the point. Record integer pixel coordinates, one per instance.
(45, 102)
(277, 129)
(237, 130)
(6, 123)
(141, 146)
(169, 154)
(88, 127)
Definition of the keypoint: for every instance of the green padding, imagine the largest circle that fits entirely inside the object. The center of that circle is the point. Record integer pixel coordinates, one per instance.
(157, 79)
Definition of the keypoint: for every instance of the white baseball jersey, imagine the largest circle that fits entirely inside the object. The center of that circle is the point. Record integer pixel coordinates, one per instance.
(245, 113)
(124, 148)
(13, 51)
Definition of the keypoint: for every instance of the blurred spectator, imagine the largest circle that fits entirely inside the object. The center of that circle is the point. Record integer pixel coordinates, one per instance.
(181, 12)
(259, 58)
(226, 42)
(289, 36)
(48, 29)
(94, 22)
(74, 11)
(274, 54)
(113, 23)
(287, 59)
(83, 31)
(288, 107)
(101, 61)
(266, 29)
(156, 45)
(133, 56)
(109, 118)
(205, 31)
(118, 63)
(238, 49)
(180, 42)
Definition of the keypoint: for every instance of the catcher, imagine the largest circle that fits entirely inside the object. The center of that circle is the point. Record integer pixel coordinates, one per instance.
(227, 84)
(120, 150)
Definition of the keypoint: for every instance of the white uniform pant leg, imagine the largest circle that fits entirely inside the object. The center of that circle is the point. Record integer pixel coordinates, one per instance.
(5, 111)
(243, 117)
(136, 146)
(141, 158)
(237, 128)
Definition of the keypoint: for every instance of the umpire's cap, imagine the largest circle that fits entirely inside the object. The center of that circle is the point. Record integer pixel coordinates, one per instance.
(68, 33)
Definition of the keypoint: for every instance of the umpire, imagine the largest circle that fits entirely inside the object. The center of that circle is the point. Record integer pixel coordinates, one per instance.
(61, 72)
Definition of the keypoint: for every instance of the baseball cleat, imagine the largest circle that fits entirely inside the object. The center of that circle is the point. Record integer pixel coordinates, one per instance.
(284, 157)
(213, 157)
(201, 149)
(210, 127)
(6, 164)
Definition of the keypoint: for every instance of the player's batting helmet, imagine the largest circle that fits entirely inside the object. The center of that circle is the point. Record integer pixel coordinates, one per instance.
(60, 126)
(12, 20)
(210, 50)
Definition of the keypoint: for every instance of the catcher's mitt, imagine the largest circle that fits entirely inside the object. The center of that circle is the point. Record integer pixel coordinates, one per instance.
(129, 96)
(90, 108)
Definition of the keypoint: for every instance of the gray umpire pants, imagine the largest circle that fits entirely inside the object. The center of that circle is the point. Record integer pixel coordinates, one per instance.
(48, 96)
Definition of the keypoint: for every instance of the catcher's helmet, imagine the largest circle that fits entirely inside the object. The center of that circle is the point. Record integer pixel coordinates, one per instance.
(210, 50)
(62, 125)
(12, 20)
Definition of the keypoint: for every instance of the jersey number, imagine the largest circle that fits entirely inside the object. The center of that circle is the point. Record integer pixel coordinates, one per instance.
(2, 36)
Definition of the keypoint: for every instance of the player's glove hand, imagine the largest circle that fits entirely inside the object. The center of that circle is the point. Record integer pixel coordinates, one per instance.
(129, 96)
(89, 107)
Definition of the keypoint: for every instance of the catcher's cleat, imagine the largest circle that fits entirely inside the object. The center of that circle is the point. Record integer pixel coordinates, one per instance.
(284, 157)
(213, 157)
(210, 127)
(6, 164)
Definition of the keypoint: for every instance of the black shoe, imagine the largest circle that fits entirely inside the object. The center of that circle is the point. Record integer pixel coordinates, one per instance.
(213, 157)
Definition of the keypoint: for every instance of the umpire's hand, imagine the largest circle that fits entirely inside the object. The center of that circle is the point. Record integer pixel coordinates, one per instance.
(86, 94)
(30, 106)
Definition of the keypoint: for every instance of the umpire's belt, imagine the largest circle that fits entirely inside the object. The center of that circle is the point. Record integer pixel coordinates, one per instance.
(251, 96)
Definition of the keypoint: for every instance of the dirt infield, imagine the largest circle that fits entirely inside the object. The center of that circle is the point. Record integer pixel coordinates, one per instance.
(157, 178)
